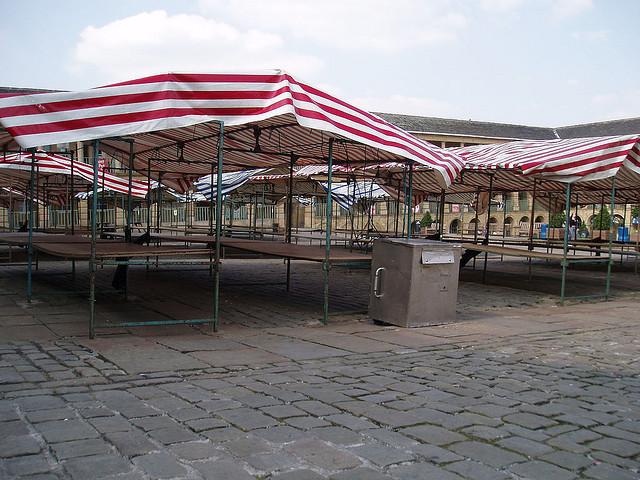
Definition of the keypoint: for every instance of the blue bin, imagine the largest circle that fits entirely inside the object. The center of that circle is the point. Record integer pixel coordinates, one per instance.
(544, 231)
(623, 234)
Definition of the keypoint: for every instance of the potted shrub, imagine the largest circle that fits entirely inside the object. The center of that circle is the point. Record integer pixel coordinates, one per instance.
(556, 226)
(426, 222)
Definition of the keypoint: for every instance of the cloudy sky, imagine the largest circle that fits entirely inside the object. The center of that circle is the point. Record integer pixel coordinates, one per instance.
(535, 62)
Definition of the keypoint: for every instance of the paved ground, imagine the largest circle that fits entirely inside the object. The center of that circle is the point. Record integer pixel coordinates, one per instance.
(530, 391)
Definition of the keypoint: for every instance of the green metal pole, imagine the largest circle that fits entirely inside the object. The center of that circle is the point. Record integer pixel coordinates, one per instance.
(290, 217)
(607, 290)
(129, 199)
(92, 260)
(565, 246)
(212, 214)
(216, 277)
(533, 212)
(30, 239)
(441, 214)
(327, 246)
(487, 232)
(404, 203)
(410, 201)
(73, 199)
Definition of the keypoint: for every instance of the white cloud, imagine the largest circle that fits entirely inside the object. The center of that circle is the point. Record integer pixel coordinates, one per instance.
(591, 35)
(569, 8)
(156, 42)
(380, 25)
(500, 5)
(405, 104)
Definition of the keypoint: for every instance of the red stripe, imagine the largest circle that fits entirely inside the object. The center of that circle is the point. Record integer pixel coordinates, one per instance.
(131, 98)
(586, 161)
(124, 118)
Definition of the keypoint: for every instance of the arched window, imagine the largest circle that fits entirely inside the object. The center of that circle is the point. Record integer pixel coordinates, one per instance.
(454, 226)
(539, 219)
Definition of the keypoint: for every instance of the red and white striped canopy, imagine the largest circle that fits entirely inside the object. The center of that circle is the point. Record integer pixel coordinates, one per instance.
(53, 164)
(162, 112)
(563, 160)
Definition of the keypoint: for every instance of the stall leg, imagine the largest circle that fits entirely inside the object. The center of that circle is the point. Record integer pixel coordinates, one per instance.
(327, 247)
(486, 235)
(565, 246)
(607, 290)
(92, 260)
(30, 237)
(216, 277)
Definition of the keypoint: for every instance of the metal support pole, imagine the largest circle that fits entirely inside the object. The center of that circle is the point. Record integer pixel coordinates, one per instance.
(531, 222)
(410, 201)
(290, 216)
(397, 212)
(607, 290)
(159, 204)
(102, 192)
(37, 200)
(92, 260)
(549, 225)
(486, 234)
(127, 233)
(216, 277)
(565, 245)
(73, 202)
(10, 210)
(30, 236)
(475, 224)
(327, 247)
(441, 215)
(212, 214)
(149, 197)
(404, 203)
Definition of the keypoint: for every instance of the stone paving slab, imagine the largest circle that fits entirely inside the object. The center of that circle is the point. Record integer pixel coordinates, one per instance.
(534, 393)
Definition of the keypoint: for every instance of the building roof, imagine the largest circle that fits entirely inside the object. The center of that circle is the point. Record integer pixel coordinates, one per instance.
(625, 126)
(444, 126)
(9, 91)
(448, 126)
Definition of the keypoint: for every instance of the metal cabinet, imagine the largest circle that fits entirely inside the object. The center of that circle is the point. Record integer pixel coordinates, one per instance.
(414, 282)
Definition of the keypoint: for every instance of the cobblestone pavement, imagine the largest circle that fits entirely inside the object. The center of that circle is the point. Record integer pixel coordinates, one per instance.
(539, 393)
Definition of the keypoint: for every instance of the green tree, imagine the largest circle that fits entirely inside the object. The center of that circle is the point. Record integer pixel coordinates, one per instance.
(427, 220)
(635, 211)
(557, 220)
(602, 220)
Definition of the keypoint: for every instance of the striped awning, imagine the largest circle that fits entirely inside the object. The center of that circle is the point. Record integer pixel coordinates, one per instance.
(563, 160)
(208, 186)
(53, 164)
(347, 194)
(267, 116)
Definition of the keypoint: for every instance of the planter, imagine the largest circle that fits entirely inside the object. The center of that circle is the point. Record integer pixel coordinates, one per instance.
(600, 235)
(556, 233)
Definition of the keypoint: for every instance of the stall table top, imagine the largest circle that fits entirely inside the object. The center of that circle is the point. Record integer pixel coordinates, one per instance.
(82, 251)
(519, 252)
(22, 239)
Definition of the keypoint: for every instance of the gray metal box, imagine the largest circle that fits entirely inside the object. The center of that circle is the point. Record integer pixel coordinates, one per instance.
(414, 282)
